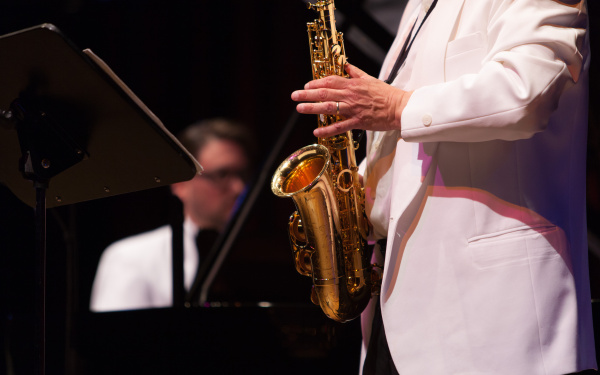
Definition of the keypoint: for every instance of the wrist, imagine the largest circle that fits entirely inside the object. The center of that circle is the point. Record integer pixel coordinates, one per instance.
(399, 108)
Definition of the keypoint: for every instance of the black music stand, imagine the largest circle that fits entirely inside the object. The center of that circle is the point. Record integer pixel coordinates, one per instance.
(72, 131)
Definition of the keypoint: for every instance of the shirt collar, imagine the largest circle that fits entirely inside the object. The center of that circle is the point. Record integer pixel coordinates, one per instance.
(190, 227)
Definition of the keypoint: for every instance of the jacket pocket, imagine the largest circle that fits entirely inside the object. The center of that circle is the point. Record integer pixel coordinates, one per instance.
(517, 246)
(464, 55)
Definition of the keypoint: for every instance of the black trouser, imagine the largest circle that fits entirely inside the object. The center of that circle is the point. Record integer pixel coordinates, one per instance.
(379, 360)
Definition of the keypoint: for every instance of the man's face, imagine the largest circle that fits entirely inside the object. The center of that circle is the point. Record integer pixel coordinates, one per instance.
(209, 199)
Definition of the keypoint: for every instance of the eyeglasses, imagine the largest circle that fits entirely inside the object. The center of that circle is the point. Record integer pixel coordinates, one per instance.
(225, 175)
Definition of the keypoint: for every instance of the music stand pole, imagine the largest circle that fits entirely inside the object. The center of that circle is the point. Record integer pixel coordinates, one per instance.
(40, 244)
(44, 154)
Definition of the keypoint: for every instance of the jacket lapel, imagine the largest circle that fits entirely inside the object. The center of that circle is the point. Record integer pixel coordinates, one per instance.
(429, 69)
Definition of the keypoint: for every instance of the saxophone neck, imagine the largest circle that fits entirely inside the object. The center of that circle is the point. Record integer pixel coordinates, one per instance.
(328, 54)
(326, 10)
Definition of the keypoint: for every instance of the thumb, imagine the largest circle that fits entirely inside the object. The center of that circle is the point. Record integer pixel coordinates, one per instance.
(354, 72)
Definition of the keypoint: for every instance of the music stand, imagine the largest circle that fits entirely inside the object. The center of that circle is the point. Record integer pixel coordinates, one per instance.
(72, 131)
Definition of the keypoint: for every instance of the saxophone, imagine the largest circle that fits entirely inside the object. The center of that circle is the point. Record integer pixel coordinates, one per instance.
(329, 228)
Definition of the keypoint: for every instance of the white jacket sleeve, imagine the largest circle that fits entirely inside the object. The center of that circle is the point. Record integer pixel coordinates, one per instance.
(530, 52)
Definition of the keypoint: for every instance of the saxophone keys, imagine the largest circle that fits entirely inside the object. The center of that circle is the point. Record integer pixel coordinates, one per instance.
(336, 50)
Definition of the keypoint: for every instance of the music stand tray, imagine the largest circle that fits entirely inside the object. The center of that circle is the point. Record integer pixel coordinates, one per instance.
(86, 130)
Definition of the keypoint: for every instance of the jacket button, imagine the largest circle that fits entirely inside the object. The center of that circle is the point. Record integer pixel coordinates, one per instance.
(427, 119)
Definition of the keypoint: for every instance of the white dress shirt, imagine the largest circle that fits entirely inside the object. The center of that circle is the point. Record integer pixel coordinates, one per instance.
(136, 272)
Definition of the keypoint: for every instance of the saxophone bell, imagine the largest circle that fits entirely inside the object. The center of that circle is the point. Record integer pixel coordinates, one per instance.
(339, 287)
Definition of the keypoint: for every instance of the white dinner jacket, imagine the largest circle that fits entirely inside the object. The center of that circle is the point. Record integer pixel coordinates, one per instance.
(486, 269)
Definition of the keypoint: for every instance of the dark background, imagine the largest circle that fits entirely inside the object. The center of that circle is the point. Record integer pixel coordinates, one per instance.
(190, 60)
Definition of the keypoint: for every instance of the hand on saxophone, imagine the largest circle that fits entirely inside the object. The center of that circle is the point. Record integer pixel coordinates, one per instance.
(364, 102)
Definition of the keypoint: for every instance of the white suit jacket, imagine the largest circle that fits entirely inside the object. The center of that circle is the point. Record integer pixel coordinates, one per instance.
(486, 266)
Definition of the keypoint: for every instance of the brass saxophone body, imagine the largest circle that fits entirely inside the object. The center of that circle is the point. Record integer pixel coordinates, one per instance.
(328, 231)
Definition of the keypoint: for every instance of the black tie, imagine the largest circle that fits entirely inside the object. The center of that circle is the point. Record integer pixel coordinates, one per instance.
(205, 239)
